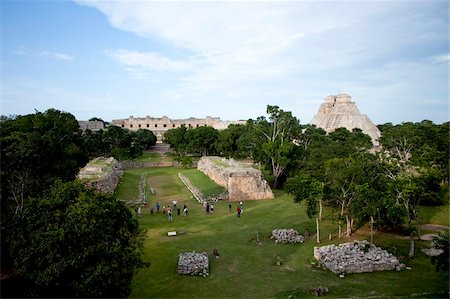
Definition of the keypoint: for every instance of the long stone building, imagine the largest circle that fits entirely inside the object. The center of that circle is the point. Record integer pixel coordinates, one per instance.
(160, 125)
(338, 111)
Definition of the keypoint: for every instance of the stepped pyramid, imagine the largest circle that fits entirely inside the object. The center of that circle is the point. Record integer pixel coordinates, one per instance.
(338, 111)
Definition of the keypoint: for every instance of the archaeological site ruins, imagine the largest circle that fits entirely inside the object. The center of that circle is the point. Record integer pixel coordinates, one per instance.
(102, 174)
(160, 125)
(338, 111)
(242, 183)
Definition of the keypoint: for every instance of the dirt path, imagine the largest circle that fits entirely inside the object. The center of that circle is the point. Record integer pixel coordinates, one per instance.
(435, 227)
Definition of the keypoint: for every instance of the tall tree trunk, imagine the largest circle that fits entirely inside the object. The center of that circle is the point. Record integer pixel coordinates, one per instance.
(317, 230)
(411, 244)
(349, 226)
(371, 230)
(340, 229)
(320, 209)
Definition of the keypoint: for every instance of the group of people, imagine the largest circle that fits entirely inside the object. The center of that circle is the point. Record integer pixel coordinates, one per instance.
(207, 207)
(167, 210)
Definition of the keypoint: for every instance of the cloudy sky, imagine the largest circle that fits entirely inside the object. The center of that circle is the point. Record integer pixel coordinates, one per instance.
(113, 59)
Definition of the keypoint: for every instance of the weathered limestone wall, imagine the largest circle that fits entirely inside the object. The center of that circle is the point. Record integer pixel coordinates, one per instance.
(103, 174)
(338, 111)
(242, 183)
(92, 125)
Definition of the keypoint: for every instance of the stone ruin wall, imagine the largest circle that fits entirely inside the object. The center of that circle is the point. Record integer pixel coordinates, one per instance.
(108, 178)
(242, 183)
(92, 125)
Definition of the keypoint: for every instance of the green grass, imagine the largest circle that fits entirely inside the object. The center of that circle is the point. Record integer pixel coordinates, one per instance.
(246, 268)
(435, 215)
(207, 186)
(149, 157)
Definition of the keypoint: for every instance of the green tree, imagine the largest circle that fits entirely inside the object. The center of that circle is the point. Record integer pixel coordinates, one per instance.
(202, 140)
(36, 150)
(442, 242)
(75, 242)
(227, 143)
(177, 139)
(279, 133)
(305, 187)
(145, 138)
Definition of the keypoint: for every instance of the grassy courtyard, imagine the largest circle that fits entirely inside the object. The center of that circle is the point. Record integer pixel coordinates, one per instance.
(248, 268)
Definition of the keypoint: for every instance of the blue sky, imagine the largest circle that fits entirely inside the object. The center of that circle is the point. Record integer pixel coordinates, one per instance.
(113, 59)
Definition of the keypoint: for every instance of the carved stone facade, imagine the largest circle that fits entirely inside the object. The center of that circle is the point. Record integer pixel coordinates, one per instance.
(242, 183)
(338, 111)
(160, 125)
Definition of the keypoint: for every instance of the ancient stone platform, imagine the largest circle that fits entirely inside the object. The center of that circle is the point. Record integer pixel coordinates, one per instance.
(193, 263)
(338, 111)
(356, 257)
(102, 174)
(241, 182)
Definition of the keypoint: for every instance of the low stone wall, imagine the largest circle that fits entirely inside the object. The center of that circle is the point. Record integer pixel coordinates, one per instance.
(192, 263)
(242, 183)
(287, 236)
(197, 193)
(356, 257)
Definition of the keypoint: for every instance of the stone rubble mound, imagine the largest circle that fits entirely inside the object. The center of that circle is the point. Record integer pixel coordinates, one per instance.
(287, 236)
(356, 257)
(193, 263)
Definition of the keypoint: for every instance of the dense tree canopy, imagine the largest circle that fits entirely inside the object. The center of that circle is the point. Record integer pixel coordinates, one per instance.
(36, 150)
(74, 242)
(67, 241)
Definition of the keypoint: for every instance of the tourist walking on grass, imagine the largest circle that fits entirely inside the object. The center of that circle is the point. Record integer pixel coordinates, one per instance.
(207, 208)
(185, 211)
(157, 207)
(169, 213)
(139, 212)
(229, 207)
(164, 209)
(241, 205)
(174, 202)
(178, 211)
(152, 209)
(212, 208)
(238, 210)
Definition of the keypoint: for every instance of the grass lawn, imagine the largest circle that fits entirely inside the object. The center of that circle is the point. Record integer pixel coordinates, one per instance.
(247, 268)
(148, 156)
(203, 182)
(435, 215)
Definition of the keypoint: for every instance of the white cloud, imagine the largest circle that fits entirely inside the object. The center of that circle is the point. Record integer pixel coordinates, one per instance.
(57, 55)
(149, 61)
(441, 58)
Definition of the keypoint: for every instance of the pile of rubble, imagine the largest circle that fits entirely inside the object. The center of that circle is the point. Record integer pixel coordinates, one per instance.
(192, 263)
(356, 257)
(287, 235)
